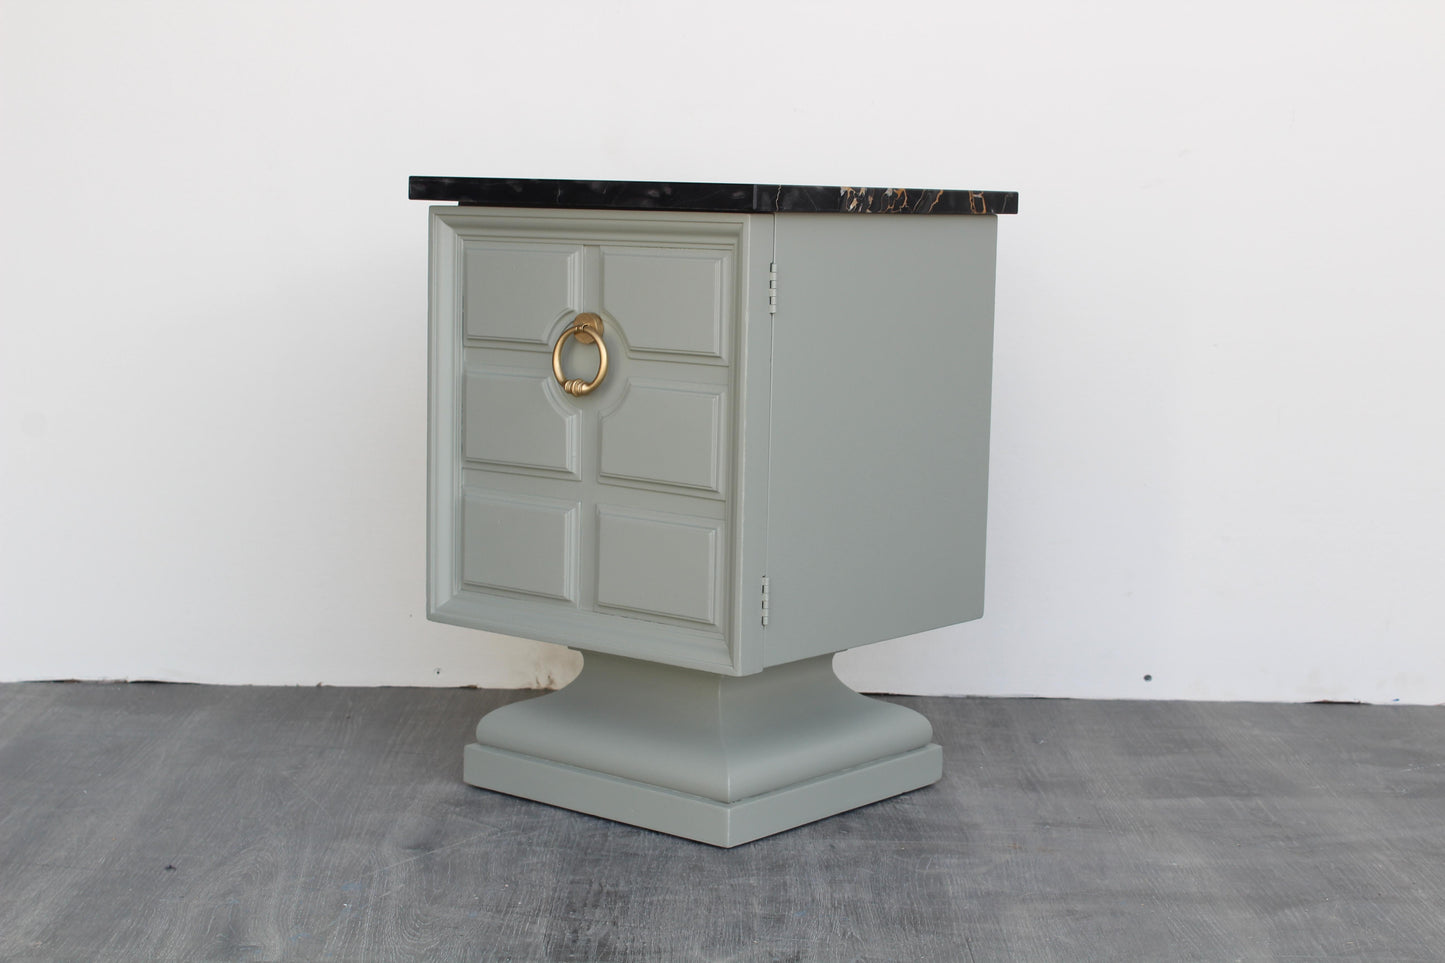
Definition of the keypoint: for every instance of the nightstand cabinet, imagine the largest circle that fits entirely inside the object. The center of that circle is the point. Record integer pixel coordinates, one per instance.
(709, 448)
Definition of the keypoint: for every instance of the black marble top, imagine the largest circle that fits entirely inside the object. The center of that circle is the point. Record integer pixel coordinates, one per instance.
(733, 198)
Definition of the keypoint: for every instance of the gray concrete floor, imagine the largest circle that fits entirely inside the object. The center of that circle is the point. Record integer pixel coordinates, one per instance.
(167, 822)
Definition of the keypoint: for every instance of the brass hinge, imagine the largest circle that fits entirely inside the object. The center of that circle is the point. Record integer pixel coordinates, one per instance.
(773, 288)
(765, 600)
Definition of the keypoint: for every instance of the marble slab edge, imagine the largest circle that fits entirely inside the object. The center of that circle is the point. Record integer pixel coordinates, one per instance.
(728, 198)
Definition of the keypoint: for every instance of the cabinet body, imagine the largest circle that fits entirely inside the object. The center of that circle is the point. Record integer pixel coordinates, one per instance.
(787, 456)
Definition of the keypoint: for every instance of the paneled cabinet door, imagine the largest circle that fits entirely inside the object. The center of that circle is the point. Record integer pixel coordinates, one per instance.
(605, 520)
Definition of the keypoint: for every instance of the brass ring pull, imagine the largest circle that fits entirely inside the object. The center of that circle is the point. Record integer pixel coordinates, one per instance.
(587, 329)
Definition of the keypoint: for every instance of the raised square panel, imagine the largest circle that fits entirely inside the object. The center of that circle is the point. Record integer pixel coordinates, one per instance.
(513, 419)
(669, 300)
(670, 434)
(655, 564)
(520, 544)
(517, 291)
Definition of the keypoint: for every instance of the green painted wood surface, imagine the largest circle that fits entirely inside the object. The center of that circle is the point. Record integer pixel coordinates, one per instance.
(716, 758)
(882, 353)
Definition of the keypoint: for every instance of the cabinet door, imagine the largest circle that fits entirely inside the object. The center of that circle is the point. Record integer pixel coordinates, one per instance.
(610, 521)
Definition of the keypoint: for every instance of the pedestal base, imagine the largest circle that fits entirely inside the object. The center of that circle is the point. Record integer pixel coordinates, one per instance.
(719, 759)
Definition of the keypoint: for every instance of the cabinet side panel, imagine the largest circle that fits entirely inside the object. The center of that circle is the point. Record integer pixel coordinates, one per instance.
(882, 364)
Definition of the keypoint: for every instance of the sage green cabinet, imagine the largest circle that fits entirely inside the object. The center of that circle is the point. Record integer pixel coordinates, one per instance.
(786, 457)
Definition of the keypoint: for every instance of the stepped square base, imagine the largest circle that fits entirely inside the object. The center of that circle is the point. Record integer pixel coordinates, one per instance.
(719, 759)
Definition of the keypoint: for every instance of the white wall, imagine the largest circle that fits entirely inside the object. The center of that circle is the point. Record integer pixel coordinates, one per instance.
(1219, 415)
